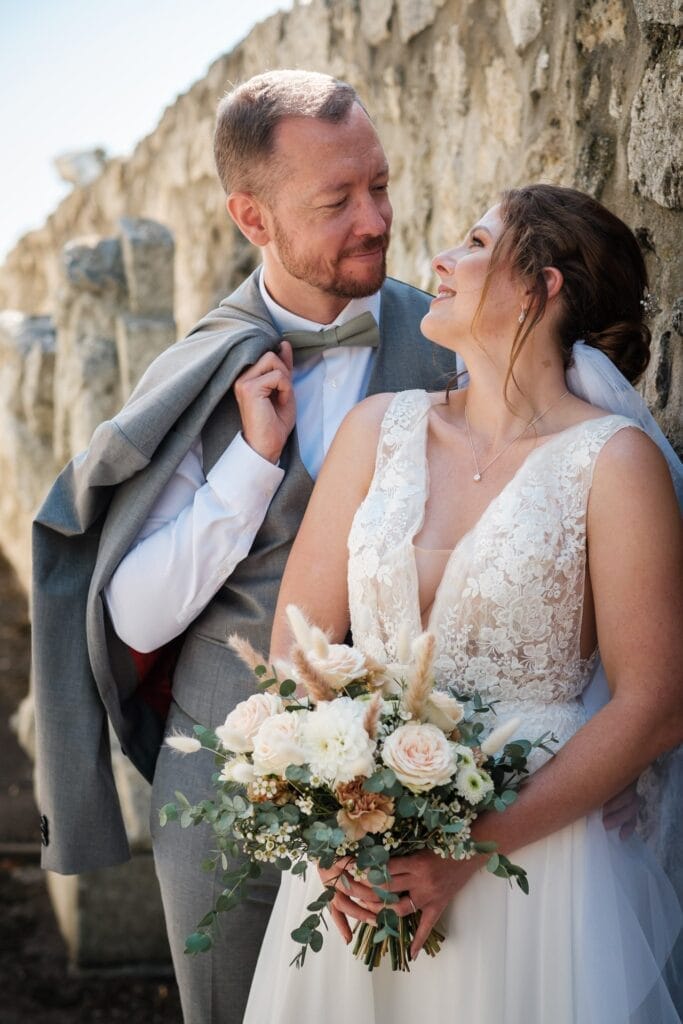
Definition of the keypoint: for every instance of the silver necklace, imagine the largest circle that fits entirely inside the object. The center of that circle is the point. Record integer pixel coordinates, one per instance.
(480, 472)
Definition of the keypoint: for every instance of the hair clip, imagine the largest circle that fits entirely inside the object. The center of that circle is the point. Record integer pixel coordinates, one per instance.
(650, 303)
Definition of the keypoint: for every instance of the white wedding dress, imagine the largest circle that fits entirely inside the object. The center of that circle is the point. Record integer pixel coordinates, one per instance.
(587, 945)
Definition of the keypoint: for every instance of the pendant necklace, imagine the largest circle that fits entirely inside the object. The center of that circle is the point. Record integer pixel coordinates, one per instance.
(480, 472)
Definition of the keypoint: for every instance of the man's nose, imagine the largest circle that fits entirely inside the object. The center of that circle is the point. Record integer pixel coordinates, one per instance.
(372, 217)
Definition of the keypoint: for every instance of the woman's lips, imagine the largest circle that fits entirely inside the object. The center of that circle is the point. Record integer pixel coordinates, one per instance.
(443, 293)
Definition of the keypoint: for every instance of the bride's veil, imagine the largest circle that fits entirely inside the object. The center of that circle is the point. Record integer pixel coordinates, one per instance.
(593, 377)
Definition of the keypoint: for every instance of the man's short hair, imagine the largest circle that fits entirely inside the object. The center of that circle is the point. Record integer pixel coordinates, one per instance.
(248, 115)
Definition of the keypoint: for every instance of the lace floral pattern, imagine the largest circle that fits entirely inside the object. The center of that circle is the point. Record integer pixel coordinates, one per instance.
(507, 613)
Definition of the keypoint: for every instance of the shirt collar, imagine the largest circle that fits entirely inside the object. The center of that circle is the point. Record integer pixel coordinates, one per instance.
(285, 320)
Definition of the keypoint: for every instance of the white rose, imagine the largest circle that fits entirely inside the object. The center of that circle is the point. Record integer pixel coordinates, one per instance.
(277, 744)
(420, 756)
(238, 771)
(337, 747)
(339, 665)
(242, 724)
(443, 711)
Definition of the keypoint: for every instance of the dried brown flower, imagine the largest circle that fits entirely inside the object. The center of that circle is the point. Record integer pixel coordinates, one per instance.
(317, 687)
(421, 682)
(372, 713)
(362, 812)
(245, 651)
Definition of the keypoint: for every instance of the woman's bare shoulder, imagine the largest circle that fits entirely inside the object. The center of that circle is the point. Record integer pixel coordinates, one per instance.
(632, 474)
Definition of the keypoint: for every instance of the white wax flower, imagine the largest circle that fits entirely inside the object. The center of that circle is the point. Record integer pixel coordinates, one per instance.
(420, 756)
(277, 744)
(337, 747)
(184, 744)
(499, 737)
(244, 721)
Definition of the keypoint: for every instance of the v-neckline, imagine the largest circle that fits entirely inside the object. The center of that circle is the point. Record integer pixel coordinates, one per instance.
(427, 627)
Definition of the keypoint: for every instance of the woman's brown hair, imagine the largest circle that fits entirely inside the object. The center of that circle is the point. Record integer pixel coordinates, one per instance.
(603, 269)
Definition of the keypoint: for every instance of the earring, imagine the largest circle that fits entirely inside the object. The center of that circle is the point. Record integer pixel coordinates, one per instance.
(522, 316)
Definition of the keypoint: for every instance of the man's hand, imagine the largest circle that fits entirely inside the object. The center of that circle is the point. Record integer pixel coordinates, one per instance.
(622, 811)
(265, 398)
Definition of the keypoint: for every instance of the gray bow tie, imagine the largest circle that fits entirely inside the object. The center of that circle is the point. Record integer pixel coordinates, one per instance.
(362, 330)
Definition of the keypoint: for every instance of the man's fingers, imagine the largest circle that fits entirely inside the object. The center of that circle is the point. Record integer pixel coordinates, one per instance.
(287, 354)
(269, 361)
(266, 384)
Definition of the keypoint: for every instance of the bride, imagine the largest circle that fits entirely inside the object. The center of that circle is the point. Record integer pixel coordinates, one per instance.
(525, 528)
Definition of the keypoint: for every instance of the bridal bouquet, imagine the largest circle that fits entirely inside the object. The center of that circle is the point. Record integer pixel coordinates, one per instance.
(338, 756)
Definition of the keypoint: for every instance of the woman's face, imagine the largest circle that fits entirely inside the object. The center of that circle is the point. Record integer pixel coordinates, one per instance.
(462, 274)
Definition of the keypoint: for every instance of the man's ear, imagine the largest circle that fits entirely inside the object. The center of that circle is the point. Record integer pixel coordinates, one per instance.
(554, 279)
(248, 214)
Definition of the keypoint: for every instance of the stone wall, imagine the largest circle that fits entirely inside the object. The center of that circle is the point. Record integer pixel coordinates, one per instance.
(469, 96)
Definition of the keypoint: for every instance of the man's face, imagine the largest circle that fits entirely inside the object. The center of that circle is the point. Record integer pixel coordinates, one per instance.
(329, 214)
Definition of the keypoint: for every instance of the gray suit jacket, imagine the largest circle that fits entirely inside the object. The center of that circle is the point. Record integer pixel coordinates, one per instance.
(83, 674)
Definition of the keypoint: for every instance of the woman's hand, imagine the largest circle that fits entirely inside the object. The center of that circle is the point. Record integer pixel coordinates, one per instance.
(352, 898)
(428, 884)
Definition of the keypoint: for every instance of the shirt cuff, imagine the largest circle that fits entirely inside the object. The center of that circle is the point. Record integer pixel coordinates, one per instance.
(241, 477)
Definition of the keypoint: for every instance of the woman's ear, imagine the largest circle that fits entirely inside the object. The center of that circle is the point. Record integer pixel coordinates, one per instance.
(554, 280)
(248, 215)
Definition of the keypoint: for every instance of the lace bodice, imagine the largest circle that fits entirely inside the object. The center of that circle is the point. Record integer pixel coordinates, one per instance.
(507, 613)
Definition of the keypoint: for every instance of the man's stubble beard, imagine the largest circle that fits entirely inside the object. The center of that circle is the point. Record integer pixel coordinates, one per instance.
(305, 268)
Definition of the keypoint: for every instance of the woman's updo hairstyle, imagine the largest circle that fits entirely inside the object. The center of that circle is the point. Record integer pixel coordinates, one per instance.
(603, 269)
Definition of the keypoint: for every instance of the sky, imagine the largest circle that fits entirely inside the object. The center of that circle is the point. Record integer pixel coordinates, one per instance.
(78, 74)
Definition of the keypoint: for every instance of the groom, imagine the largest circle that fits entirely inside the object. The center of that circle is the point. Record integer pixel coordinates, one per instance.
(172, 530)
(175, 525)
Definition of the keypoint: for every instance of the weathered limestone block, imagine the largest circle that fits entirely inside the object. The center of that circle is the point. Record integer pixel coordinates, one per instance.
(147, 249)
(82, 167)
(26, 463)
(374, 20)
(662, 12)
(92, 295)
(539, 83)
(139, 339)
(37, 392)
(655, 144)
(524, 21)
(414, 16)
(600, 23)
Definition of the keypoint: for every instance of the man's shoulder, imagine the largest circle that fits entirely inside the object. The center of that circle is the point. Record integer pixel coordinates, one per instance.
(405, 292)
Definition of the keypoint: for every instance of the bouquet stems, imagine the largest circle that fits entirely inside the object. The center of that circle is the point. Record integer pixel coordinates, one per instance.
(397, 946)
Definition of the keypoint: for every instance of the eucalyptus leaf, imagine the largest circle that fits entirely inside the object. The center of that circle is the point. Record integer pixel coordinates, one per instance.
(198, 942)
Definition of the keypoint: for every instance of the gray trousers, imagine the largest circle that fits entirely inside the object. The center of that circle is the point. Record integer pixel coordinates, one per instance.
(214, 986)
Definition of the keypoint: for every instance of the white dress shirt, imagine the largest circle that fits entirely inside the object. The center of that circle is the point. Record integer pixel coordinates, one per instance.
(201, 527)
